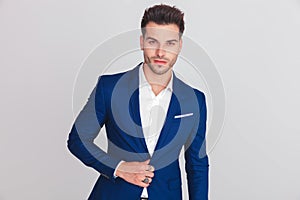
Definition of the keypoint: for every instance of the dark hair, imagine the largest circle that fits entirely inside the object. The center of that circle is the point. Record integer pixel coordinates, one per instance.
(163, 14)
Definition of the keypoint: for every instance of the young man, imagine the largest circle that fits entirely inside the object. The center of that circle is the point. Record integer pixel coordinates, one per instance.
(149, 115)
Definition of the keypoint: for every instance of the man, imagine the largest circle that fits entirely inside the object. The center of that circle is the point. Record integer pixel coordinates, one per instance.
(149, 115)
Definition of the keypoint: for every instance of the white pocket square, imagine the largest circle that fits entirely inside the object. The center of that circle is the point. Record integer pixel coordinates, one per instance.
(184, 115)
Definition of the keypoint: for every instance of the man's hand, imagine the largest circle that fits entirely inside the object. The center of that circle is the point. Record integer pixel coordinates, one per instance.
(136, 172)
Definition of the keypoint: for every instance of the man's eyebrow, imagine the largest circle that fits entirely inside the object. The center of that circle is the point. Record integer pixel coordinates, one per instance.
(151, 38)
(174, 40)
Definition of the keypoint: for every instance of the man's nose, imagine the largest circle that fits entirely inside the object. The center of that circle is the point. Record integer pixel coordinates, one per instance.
(160, 52)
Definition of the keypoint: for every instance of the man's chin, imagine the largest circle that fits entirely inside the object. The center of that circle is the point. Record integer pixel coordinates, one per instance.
(160, 70)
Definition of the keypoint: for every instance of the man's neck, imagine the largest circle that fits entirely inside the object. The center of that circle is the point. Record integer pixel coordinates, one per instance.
(157, 82)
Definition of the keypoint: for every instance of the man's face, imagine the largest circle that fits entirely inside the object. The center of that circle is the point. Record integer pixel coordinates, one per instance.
(161, 45)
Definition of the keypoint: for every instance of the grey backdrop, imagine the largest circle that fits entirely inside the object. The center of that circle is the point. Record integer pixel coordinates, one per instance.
(254, 43)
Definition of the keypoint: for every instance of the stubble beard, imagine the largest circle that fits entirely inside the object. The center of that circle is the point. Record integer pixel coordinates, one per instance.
(158, 69)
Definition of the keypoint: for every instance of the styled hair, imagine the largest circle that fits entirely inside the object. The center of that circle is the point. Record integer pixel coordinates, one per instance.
(163, 14)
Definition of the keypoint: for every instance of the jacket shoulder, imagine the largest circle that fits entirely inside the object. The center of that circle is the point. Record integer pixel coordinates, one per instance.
(200, 95)
(109, 81)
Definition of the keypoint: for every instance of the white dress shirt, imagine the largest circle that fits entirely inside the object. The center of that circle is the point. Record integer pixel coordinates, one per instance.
(153, 111)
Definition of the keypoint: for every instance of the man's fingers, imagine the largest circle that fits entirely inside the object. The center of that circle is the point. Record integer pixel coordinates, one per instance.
(149, 174)
(150, 168)
(143, 181)
(138, 173)
(147, 180)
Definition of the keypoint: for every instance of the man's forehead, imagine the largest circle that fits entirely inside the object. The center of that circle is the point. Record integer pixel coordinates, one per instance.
(153, 29)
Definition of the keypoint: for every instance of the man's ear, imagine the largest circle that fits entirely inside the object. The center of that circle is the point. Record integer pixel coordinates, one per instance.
(142, 42)
(180, 44)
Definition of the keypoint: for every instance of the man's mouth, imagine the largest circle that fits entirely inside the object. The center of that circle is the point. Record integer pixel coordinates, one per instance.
(160, 62)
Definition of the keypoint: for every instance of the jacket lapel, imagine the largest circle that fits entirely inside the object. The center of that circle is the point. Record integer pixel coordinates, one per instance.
(175, 131)
(183, 101)
(134, 108)
(165, 135)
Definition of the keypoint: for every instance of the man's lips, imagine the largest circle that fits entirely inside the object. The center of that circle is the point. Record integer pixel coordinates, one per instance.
(160, 61)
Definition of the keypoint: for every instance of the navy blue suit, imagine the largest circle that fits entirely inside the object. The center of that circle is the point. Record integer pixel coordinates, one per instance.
(115, 103)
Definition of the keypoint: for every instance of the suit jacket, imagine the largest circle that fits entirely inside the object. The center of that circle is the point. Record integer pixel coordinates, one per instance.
(114, 103)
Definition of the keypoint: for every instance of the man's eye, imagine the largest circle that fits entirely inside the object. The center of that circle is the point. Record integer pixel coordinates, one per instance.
(152, 42)
(170, 43)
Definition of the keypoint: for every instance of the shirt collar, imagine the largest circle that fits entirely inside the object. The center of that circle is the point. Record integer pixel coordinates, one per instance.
(144, 83)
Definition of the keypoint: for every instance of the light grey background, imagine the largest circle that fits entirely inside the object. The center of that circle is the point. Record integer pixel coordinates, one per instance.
(254, 43)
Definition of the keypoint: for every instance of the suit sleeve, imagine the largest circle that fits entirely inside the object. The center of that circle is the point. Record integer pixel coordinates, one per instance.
(195, 155)
(86, 128)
